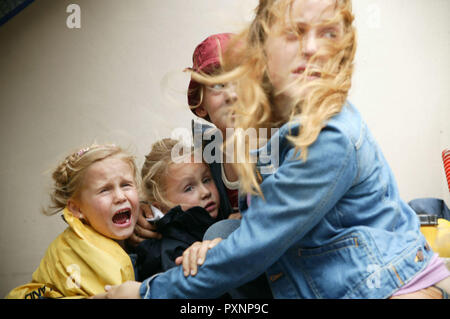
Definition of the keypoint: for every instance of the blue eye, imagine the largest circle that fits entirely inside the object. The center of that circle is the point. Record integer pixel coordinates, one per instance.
(330, 34)
(218, 86)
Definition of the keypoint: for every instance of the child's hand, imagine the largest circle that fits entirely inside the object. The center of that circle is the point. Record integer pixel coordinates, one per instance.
(143, 229)
(195, 256)
(235, 216)
(127, 290)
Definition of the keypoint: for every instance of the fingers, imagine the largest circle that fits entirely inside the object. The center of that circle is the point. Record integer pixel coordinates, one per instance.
(134, 240)
(203, 250)
(143, 223)
(201, 255)
(146, 210)
(140, 234)
(127, 290)
(146, 232)
(104, 295)
(143, 229)
(214, 242)
(187, 258)
(195, 256)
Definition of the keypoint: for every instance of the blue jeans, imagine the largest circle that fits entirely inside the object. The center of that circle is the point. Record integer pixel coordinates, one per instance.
(255, 289)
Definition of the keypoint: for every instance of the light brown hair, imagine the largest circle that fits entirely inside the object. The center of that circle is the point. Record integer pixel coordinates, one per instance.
(155, 170)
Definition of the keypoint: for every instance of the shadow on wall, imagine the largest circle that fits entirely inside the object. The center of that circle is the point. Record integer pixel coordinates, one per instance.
(10, 8)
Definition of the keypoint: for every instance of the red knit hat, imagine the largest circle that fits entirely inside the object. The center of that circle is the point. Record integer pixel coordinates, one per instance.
(206, 58)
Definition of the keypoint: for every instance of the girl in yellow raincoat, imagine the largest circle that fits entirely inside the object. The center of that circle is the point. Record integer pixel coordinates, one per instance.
(97, 189)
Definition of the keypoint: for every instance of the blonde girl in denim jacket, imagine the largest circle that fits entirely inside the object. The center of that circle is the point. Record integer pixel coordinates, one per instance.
(327, 220)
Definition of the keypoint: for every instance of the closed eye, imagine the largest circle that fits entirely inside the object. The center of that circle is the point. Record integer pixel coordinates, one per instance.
(292, 35)
(188, 189)
(103, 190)
(128, 185)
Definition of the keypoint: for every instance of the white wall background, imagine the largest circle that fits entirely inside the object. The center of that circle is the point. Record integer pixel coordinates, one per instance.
(119, 79)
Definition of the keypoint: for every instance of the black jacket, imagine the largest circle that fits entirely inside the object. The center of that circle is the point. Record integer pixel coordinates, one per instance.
(179, 230)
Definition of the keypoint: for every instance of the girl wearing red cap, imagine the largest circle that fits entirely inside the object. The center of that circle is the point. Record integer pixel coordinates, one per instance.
(212, 103)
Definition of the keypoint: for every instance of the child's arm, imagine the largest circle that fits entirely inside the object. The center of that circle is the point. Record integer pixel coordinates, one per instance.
(195, 256)
(192, 257)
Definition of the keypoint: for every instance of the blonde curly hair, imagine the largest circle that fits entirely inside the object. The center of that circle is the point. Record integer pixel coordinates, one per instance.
(68, 176)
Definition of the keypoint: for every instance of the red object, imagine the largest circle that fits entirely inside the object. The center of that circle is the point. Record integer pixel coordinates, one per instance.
(206, 58)
(233, 196)
(446, 159)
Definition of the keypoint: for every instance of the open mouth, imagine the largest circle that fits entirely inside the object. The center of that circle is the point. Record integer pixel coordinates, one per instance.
(299, 70)
(122, 217)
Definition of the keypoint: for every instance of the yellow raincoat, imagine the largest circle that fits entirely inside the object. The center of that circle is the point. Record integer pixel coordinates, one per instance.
(77, 264)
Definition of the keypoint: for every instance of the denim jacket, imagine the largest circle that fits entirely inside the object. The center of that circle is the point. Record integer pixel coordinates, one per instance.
(332, 226)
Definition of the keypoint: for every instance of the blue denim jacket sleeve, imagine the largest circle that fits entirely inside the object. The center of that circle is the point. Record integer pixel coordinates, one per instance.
(297, 196)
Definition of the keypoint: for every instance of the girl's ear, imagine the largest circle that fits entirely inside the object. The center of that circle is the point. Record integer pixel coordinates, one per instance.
(200, 111)
(74, 208)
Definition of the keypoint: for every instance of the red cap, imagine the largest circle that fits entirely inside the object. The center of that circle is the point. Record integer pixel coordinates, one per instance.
(206, 58)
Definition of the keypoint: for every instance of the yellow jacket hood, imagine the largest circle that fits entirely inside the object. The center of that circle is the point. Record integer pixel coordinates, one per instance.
(77, 264)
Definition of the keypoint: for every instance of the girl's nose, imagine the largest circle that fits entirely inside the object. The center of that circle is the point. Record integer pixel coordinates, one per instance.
(204, 192)
(119, 196)
(309, 45)
(230, 94)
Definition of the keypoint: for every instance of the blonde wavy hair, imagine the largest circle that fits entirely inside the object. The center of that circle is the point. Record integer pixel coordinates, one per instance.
(246, 65)
(156, 168)
(68, 176)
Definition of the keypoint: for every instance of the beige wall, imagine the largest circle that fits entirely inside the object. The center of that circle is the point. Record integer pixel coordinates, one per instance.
(118, 79)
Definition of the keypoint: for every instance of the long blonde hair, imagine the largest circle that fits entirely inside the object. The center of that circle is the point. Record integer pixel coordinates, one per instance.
(246, 65)
(68, 176)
